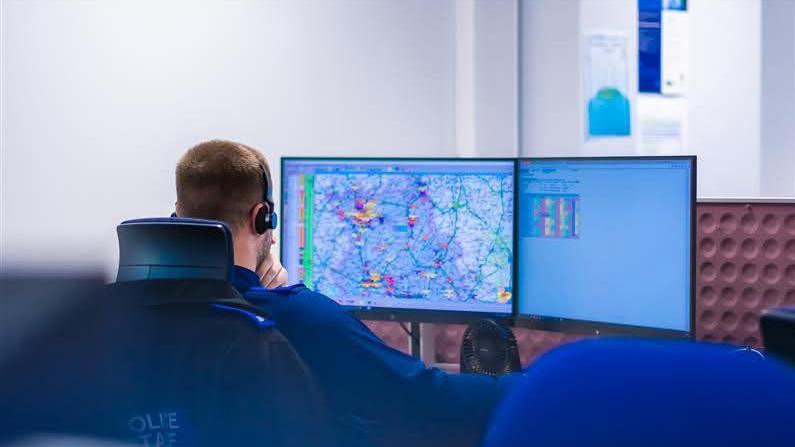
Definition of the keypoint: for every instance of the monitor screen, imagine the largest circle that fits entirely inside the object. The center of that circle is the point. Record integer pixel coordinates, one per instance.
(606, 241)
(419, 234)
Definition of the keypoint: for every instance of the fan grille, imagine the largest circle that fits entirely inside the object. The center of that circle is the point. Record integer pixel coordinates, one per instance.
(489, 348)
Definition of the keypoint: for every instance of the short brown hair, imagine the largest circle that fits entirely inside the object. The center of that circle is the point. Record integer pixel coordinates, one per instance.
(220, 180)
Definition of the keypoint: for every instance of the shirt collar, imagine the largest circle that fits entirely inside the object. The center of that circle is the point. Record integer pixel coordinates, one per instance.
(244, 279)
(248, 283)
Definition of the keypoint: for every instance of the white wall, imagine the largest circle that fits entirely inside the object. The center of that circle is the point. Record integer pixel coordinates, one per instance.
(487, 78)
(778, 99)
(101, 98)
(723, 93)
(550, 101)
(495, 65)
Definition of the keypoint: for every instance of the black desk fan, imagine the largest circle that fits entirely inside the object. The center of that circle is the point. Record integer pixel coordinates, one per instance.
(489, 348)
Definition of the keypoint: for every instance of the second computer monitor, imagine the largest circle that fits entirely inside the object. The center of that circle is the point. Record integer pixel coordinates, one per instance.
(606, 244)
(401, 238)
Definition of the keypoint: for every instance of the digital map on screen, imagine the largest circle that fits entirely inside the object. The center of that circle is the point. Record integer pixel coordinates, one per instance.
(400, 238)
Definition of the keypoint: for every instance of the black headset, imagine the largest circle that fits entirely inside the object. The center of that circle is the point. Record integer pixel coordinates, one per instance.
(266, 218)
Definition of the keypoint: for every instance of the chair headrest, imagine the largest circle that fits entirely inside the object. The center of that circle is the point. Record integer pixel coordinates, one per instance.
(154, 293)
(174, 248)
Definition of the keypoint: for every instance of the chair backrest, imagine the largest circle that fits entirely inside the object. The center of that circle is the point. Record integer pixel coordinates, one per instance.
(629, 393)
(778, 331)
(171, 354)
(174, 248)
(212, 369)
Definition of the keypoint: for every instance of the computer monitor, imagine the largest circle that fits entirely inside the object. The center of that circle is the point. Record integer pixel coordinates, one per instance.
(606, 245)
(405, 239)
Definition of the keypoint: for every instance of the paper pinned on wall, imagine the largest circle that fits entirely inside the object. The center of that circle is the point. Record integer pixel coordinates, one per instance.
(674, 53)
(661, 124)
(607, 107)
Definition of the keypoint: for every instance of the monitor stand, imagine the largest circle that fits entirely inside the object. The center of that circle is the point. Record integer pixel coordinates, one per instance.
(423, 345)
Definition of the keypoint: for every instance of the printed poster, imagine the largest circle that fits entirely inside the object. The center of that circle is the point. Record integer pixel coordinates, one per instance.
(605, 85)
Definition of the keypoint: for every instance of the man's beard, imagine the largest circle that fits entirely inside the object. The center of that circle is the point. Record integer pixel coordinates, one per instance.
(262, 253)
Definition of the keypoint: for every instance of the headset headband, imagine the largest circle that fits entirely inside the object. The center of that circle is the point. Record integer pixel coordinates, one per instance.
(266, 180)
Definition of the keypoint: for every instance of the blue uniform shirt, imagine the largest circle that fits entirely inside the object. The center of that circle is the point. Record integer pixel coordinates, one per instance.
(380, 396)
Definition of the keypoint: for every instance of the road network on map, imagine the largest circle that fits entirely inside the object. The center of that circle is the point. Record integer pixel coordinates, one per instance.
(438, 237)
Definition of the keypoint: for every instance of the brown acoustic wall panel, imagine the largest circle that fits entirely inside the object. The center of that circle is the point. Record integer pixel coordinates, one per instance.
(745, 264)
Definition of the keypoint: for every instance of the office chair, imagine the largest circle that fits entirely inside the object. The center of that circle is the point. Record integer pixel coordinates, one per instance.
(172, 355)
(778, 332)
(629, 393)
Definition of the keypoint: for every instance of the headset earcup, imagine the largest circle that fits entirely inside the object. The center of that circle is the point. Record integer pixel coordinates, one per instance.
(260, 221)
(266, 219)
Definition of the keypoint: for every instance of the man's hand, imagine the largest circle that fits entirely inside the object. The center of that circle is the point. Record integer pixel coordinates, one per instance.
(271, 273)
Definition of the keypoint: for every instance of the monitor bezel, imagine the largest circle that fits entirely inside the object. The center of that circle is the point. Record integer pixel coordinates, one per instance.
(408, 314)
(585, 327)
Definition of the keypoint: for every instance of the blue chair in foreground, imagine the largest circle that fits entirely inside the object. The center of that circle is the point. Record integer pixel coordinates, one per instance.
(171, 355)
(630, 393)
